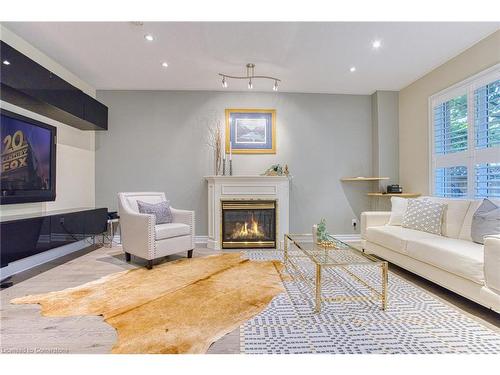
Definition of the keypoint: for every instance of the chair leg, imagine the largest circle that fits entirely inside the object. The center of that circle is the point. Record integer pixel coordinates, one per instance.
(190, 253)
(127, 257)
(149, 265)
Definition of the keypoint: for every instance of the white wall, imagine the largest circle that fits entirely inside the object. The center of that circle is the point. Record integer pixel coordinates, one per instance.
(75, 174)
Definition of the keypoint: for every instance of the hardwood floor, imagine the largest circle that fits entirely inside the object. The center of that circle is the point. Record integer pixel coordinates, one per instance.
(24, 330)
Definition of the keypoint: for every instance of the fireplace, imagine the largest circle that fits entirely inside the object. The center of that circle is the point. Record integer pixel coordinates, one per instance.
(248, 224)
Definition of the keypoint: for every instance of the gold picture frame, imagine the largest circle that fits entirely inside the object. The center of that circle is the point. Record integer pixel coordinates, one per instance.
(260, 144)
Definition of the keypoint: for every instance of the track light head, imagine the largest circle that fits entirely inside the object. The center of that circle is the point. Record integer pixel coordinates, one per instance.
(275, 87)
(250, 84)
(224, 82)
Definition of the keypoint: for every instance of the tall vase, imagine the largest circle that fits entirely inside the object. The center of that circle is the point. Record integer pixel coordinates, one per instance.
(217, 163)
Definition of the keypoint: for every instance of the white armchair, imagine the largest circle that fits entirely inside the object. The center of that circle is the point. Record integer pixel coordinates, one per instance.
(142, 237)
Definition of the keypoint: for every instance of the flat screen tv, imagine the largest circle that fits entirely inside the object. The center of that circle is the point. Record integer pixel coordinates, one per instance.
(28, 155)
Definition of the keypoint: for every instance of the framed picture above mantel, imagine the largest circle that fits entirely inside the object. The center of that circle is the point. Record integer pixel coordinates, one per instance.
(251, 131)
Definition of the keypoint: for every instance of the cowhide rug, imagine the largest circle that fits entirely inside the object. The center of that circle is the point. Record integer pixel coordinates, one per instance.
(177, 307)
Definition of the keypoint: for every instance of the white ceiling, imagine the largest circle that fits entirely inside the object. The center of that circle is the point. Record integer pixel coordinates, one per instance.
(308, 57)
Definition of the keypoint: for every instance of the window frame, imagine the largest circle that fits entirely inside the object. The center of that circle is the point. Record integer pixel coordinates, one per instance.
(472, 156)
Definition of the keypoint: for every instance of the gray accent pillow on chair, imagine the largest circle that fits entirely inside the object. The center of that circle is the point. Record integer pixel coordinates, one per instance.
(424, 215)
(161, 211)
(485, 221)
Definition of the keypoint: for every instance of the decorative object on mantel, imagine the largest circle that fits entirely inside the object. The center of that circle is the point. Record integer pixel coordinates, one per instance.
(158, 311)
(251, 131)
(214, 141)
(250, 76)
(276, 170)
(230, 162)
(321, 236)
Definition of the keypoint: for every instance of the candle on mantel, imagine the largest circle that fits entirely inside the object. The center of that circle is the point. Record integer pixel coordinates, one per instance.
(231, 150)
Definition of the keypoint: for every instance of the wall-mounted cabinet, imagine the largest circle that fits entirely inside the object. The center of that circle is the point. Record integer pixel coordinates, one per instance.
(29, 85)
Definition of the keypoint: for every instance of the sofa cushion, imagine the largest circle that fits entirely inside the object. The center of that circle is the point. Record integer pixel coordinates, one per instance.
(486, 221)
(454, 215)
(465, 232)
(462, 258)
(164, 231)
(394, 237)
(424, 215)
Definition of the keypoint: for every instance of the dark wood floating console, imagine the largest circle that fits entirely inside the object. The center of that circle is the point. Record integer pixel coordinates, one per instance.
(29, 85)
(26, 235)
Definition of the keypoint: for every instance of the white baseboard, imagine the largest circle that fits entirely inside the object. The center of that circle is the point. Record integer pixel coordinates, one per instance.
(202, 240)
(47, 256)
(38, 259)
(198, 240)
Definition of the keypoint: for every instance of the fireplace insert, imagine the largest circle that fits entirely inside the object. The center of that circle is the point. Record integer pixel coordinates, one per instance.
(248, 224)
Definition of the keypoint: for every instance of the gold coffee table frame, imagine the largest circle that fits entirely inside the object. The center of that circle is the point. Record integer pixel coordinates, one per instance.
(341, 256)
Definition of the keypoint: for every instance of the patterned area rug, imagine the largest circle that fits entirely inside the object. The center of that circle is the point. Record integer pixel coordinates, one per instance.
(415, 322)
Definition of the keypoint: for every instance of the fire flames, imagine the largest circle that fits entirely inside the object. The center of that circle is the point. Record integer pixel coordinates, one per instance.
(247, 230)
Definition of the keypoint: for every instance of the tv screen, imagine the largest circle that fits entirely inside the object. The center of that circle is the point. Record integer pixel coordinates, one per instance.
(28, 159)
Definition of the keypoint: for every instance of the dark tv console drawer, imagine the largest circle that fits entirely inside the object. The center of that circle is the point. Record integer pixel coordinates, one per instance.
(26, 235)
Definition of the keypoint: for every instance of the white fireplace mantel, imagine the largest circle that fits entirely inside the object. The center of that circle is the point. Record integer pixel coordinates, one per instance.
(246, 187)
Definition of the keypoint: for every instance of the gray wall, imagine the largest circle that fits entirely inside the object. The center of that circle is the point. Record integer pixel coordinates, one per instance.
(385, 135)
(385, 140)
(157, 141)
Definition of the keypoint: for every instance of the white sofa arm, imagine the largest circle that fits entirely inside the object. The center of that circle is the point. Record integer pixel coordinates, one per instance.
(184, 217)
(373, 219)
(492, 262)
(138, 233)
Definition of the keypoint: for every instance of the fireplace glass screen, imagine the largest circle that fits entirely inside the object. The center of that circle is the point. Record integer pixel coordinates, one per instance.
(248, 224)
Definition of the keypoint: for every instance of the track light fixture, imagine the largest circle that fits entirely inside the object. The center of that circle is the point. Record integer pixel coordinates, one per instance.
(250, 76)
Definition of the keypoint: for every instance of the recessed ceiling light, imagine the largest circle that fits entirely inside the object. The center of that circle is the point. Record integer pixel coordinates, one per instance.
(376, 44)
(6, 62)
(164, 64)
(352, 69)
(148, 37)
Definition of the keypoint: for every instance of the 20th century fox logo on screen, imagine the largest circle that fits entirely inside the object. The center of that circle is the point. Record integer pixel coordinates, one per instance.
(15, 154)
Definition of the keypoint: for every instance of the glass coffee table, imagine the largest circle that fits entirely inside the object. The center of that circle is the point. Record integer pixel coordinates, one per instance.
(299, 255)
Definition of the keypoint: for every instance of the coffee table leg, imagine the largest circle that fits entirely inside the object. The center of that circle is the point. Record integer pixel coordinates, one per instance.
(384, 285)
(285, 249)
(318, 288)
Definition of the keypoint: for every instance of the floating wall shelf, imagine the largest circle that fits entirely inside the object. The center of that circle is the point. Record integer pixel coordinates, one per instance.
(402, 195)
(363, 178)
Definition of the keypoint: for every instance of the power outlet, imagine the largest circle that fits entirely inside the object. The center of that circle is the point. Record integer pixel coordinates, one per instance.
(354, 223)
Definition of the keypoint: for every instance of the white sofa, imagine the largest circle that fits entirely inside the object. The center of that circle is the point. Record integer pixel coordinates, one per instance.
(142, 237)
(451, 260)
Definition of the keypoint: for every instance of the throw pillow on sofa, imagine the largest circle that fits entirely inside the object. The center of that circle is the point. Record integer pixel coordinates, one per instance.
(160, 210)
(485, 221)
(424, 215)
(398, 209)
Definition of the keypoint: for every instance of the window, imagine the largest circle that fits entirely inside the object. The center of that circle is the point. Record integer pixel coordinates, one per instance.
(450, 126)
(451, 182)
(488, 180)
(465, 138)
(487, 115)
